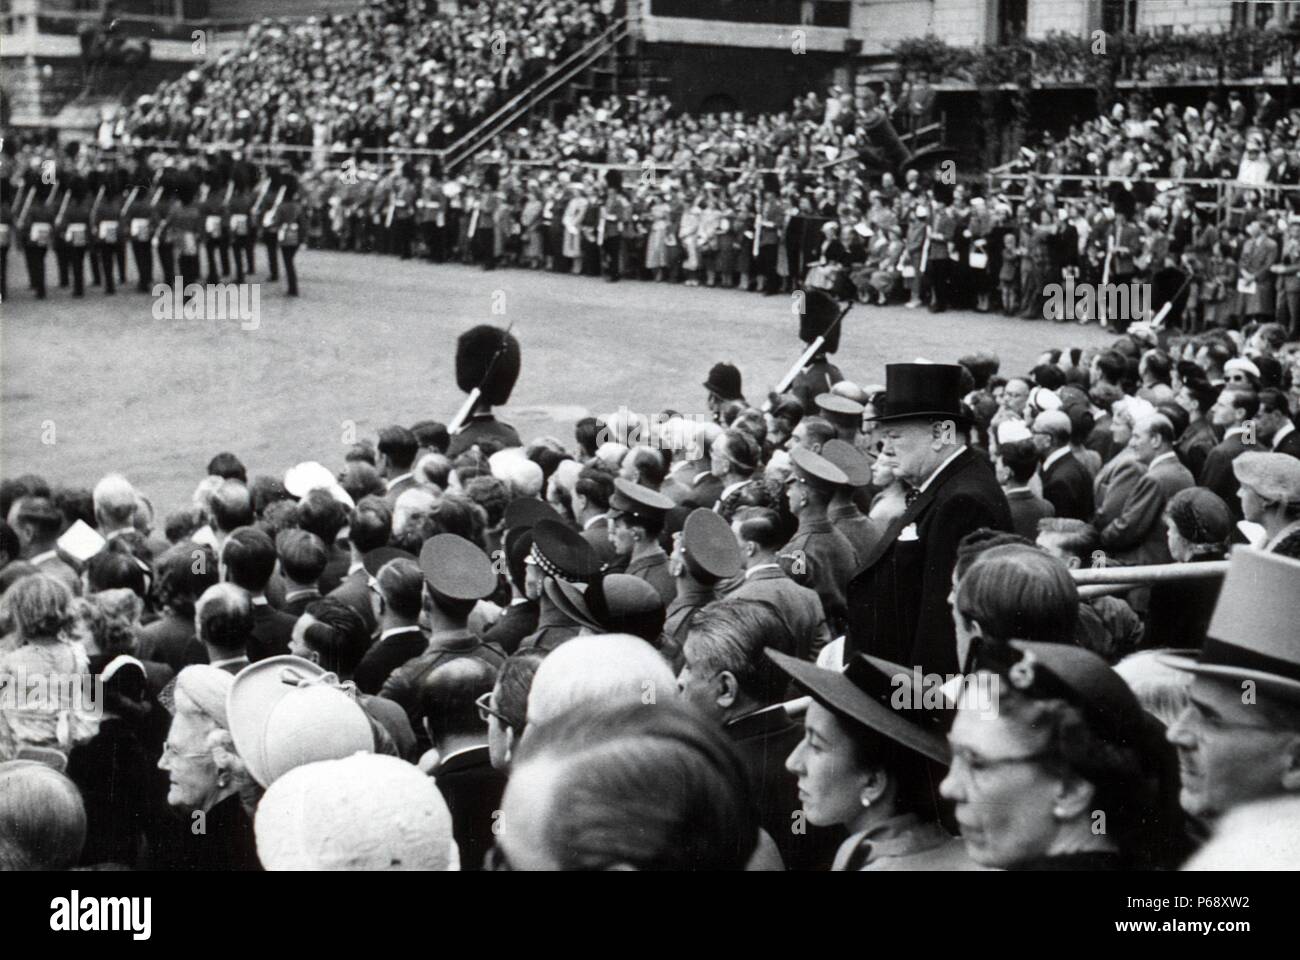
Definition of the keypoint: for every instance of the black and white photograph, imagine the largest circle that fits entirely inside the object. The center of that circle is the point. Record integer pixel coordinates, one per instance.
(651, 435)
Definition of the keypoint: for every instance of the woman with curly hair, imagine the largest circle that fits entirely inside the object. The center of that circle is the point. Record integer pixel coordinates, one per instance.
(1064, 770)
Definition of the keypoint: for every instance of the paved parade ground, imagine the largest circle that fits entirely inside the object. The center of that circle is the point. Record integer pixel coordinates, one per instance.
(97, 384)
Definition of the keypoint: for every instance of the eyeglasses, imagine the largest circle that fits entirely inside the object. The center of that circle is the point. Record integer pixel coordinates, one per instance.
(484, 704)
(977, 768)
(172, 752)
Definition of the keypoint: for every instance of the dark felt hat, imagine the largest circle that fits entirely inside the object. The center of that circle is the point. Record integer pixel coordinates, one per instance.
(850, 459)
(524, 512)
(816, 470)
(724, 380)
(866, 692)
(376, 559)
(488, 357)
(921, 390)
(455, 568)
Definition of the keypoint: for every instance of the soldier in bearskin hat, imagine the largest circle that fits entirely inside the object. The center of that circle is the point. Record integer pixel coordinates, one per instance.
(187, 228)
(73, 226)
(140, 220)
(819, 318)
(488, 360)
(108, 236)
(616, 215)
(290, 227)
(768, 233)
(241, 225)
(213, 209)
(35, 225)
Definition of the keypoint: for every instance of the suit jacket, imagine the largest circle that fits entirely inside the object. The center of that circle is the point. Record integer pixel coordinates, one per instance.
(1068, 488)
(1027, 509)
(272, 629)
(705, 491)
(336, 568)
(1217, 474)
(598, 536)
(403, 684)
(1114, 482)
(798, 606)
(386, 656)
(481, 428)
(518, 621)
(355, 592)
(653, 569)
(764, 740)
(857, 527)
(1290, 444)
(1137, 535)
(472, 789)
(1195, 445)
(397, 489)
(898, 601)
(171, 640)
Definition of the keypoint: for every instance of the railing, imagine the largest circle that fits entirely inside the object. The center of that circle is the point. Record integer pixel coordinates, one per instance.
(68, 22)
(495, 123)
(1104, 581)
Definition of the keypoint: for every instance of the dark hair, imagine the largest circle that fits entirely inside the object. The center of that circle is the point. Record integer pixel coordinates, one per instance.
(1203, 394)
(75, 503)
(744, 453)
(982, 366)
(321, 514)
(10, 545)
(763, 526)
(231, 506)
(513, 685)
(1113, 366)
(818, 430)
(971, 546)
(278, 517)
(363, 451)
(441, 469)
(401, 584)
(649, 466)
(492, 495)
(359, 479)
(228, 467)
(1020, 593)
(302, 555)
(249, 558)
(370, 524)
(28, 485)
(432, 435)
(1247, 400)
(651, 787)
(587, 433)
(1021, 458)
(115, 566)
(596, 485)
(225, 622)
(752, 422)
(460, 515)
(471, 464)
(1201, 517)
(399, 445)
(1079, 538)
(181, 524)
(1158, 365)
(1273, 400)
(731, 635)
(184, 572)
(339, 637)
(1048, 375)
(446, 696)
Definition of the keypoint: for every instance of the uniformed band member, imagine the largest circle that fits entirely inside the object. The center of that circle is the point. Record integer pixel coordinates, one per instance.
(637, 515)
(820, 317)
(487, 359)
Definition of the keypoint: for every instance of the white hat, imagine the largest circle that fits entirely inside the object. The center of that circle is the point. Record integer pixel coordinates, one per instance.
(1241, 363)
(1011, 431)
(284, 713)
(1043, 399)
(365, 812)
(302, 478)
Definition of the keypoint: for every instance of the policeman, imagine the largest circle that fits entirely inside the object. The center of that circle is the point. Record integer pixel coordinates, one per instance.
(558, 553)
(487, 358)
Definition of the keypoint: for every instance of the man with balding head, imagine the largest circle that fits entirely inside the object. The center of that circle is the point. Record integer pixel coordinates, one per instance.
(232, 508)
(1137, 535)
(223, 620)
(614, 670)
(115, 502)
(1066, 484)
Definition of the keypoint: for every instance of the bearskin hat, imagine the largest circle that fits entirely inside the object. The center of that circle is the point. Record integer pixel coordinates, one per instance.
(476, 351)
(820, 310)
(614, 179)
(771, 183)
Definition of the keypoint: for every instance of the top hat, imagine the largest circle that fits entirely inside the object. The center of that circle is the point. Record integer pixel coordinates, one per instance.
(724, 380)
(488, 358)
(866, 693)
(921, 390)
(1252, 635)
(820, 311)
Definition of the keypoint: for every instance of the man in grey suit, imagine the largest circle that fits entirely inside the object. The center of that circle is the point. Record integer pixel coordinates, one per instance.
(1137, 536)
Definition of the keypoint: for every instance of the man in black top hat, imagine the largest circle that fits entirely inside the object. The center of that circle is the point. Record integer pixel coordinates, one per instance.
(898, 600)
(487, 358)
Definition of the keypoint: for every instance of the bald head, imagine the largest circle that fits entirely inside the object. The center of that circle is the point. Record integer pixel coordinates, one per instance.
(613, 669)
(1052, 429)
(115, 501)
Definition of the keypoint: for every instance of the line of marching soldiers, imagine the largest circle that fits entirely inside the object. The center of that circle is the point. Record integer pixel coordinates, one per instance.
(188, 222)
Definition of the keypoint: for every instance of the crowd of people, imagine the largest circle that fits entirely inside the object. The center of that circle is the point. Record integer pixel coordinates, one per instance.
(397, 73)
(846, 628)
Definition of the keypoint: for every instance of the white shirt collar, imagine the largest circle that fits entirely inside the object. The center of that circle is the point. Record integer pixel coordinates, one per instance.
(396, 480)
(393, 631)
(1055, 455)
(938, 470)
(259, 601)
(354, 567)
(1233, 431)
(726, 491)
(761, 566)
(222, 663)
(599, 516)
(42, 557)
(1282, 432)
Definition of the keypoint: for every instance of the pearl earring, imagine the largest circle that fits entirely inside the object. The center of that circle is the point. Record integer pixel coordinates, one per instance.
(866, 801)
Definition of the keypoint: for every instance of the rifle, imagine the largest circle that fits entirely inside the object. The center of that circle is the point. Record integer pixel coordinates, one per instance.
(1105, 279)
(27, 205)
(269, 219)
(758, 224)
(392, 207)
(63, 209)
(94, 207)
(925, 249)
(804, 359)
(130, 199)
(230, 192)
(466, 408)
(600, 227)
(1158, 320)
